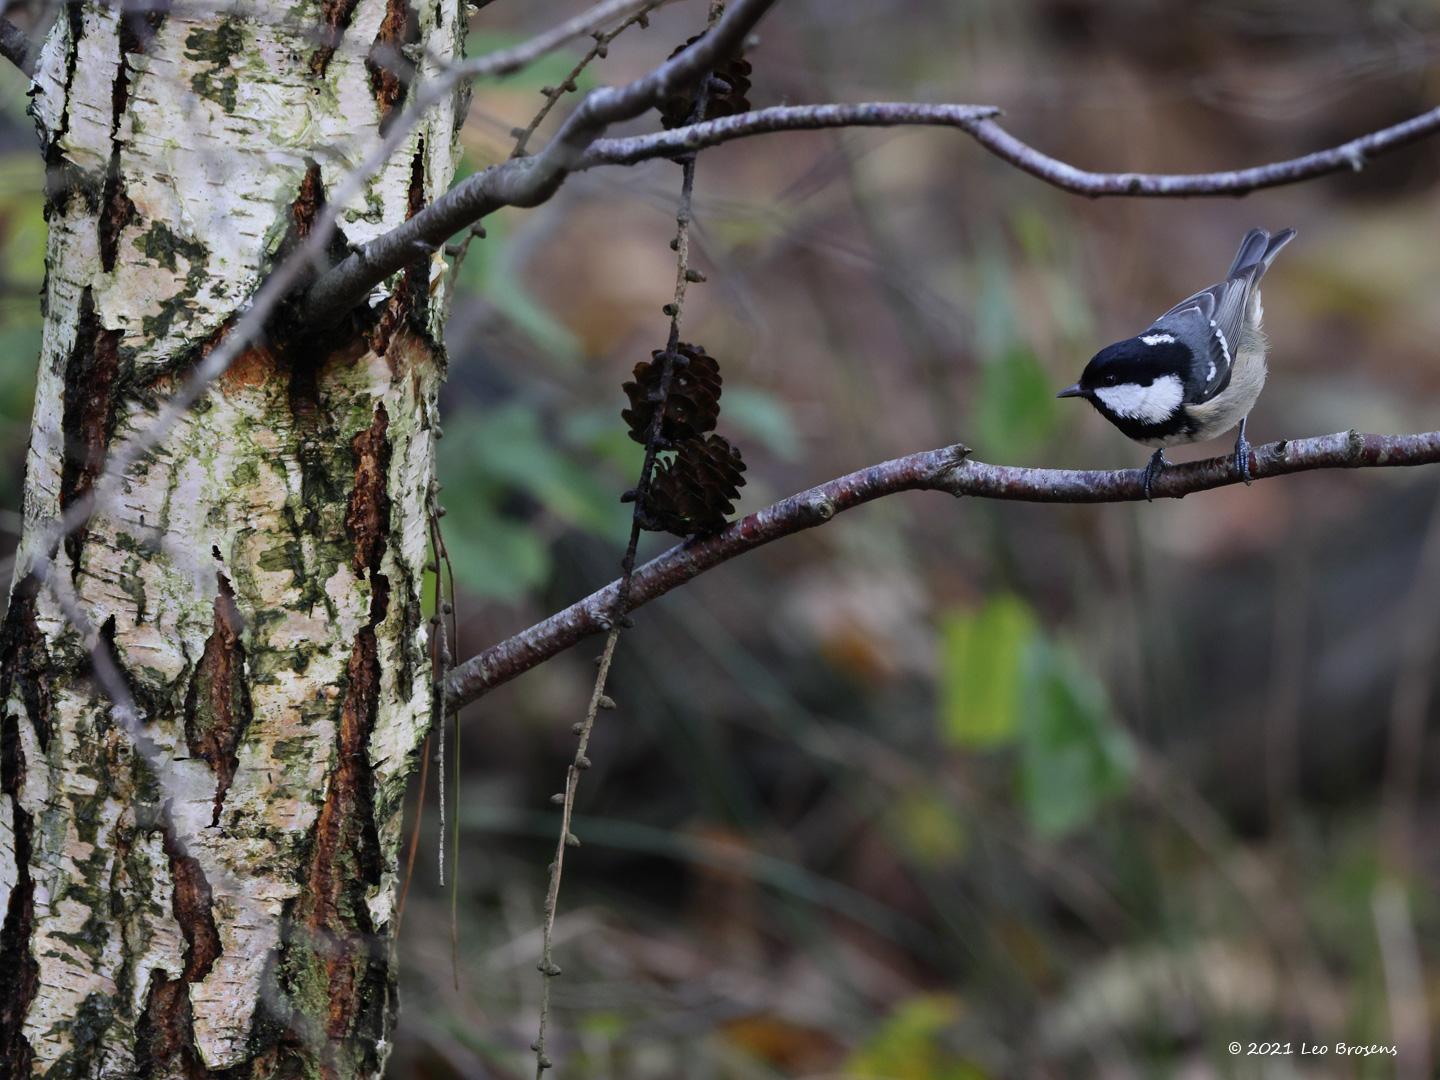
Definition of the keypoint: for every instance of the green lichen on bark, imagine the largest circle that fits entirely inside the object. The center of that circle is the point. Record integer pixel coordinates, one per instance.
(160, 244)
(216, 48)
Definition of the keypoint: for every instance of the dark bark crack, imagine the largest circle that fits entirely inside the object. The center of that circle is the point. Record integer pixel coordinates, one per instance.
(217, 703)
(335, 18)
(164, 1034)
(116, 209)
(412, 292)
(87, 416)
(336, 964)
(25, 663)
(390, 69)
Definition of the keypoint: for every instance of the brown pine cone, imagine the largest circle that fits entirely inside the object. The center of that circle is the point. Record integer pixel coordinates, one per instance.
(695, 491)
(692, 406)
(726, 95)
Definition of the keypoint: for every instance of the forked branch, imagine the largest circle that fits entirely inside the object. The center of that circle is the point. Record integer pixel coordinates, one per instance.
(527, 181)
(949, 470)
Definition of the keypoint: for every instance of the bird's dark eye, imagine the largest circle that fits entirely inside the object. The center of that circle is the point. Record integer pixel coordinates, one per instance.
(1110, 379)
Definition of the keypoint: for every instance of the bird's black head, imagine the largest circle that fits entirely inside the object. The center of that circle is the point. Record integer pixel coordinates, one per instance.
(1139, 382)
(1137, 361)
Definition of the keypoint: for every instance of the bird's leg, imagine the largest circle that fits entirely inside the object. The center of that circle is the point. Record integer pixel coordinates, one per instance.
(1154, 469)
(1242, 454)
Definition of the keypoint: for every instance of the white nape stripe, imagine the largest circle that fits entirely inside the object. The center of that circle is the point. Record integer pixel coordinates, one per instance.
(1158, 339)
(1151, 404)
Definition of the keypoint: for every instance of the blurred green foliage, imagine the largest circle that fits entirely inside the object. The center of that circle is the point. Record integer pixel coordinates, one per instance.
(1015, 412)
(1004, 684)
(912, 1044)
(515, 480)
(764, 417)
(22, 272)
(547, 70)
(487, 272)
(982, 659)
(1073, 754)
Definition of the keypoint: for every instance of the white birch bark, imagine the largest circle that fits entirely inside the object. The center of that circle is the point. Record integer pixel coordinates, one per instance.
(258, 582)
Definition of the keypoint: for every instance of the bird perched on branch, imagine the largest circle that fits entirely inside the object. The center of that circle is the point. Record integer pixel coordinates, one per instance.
(1198, 369)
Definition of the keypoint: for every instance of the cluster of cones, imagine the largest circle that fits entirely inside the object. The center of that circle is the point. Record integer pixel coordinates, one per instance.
(699, 475)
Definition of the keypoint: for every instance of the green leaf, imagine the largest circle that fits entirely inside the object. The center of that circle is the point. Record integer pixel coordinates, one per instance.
(494, 556)
(487, 274)
(491, 455)
(1073, 756)
(22, 223)
(507, 447)
(1016, 409)
(601, 434)
(982, 658)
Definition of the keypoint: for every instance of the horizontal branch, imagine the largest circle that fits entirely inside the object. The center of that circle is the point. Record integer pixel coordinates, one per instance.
(526, 181)
(949, 470)
(977, 121)
(777, 118)
(530, 181)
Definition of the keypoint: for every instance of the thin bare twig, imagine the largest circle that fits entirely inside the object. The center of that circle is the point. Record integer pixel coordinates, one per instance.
(568, 85)
(553, 96)
(414, 845)
(977, 121)
(598, 698)
(509, 61)
(947, 470)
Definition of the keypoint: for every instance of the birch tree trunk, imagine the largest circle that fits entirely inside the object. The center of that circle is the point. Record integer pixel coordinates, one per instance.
(220, 900)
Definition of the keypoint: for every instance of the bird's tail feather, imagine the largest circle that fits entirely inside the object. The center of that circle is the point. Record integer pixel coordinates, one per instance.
(1258, 251)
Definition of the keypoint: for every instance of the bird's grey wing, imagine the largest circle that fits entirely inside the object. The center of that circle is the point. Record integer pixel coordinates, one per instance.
(1194, 322)
(1212, 322)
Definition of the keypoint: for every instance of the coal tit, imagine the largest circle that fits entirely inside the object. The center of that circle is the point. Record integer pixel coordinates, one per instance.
(1196, 372)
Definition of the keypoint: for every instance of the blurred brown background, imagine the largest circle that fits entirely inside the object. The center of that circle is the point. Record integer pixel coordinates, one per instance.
(944, 789)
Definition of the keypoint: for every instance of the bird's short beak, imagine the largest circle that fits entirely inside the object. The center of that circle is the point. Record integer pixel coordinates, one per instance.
(1072, 391)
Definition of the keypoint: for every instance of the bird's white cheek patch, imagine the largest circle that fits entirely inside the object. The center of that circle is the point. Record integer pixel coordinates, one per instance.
(1151, 404)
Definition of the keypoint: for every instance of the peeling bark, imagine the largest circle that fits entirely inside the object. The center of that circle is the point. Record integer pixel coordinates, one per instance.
(222, 902)
(164, 1044)
(334, 18)
(217, 705)
(389, 67)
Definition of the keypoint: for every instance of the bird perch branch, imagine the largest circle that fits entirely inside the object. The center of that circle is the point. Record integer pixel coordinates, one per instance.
(977, 121)
(949, 470)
